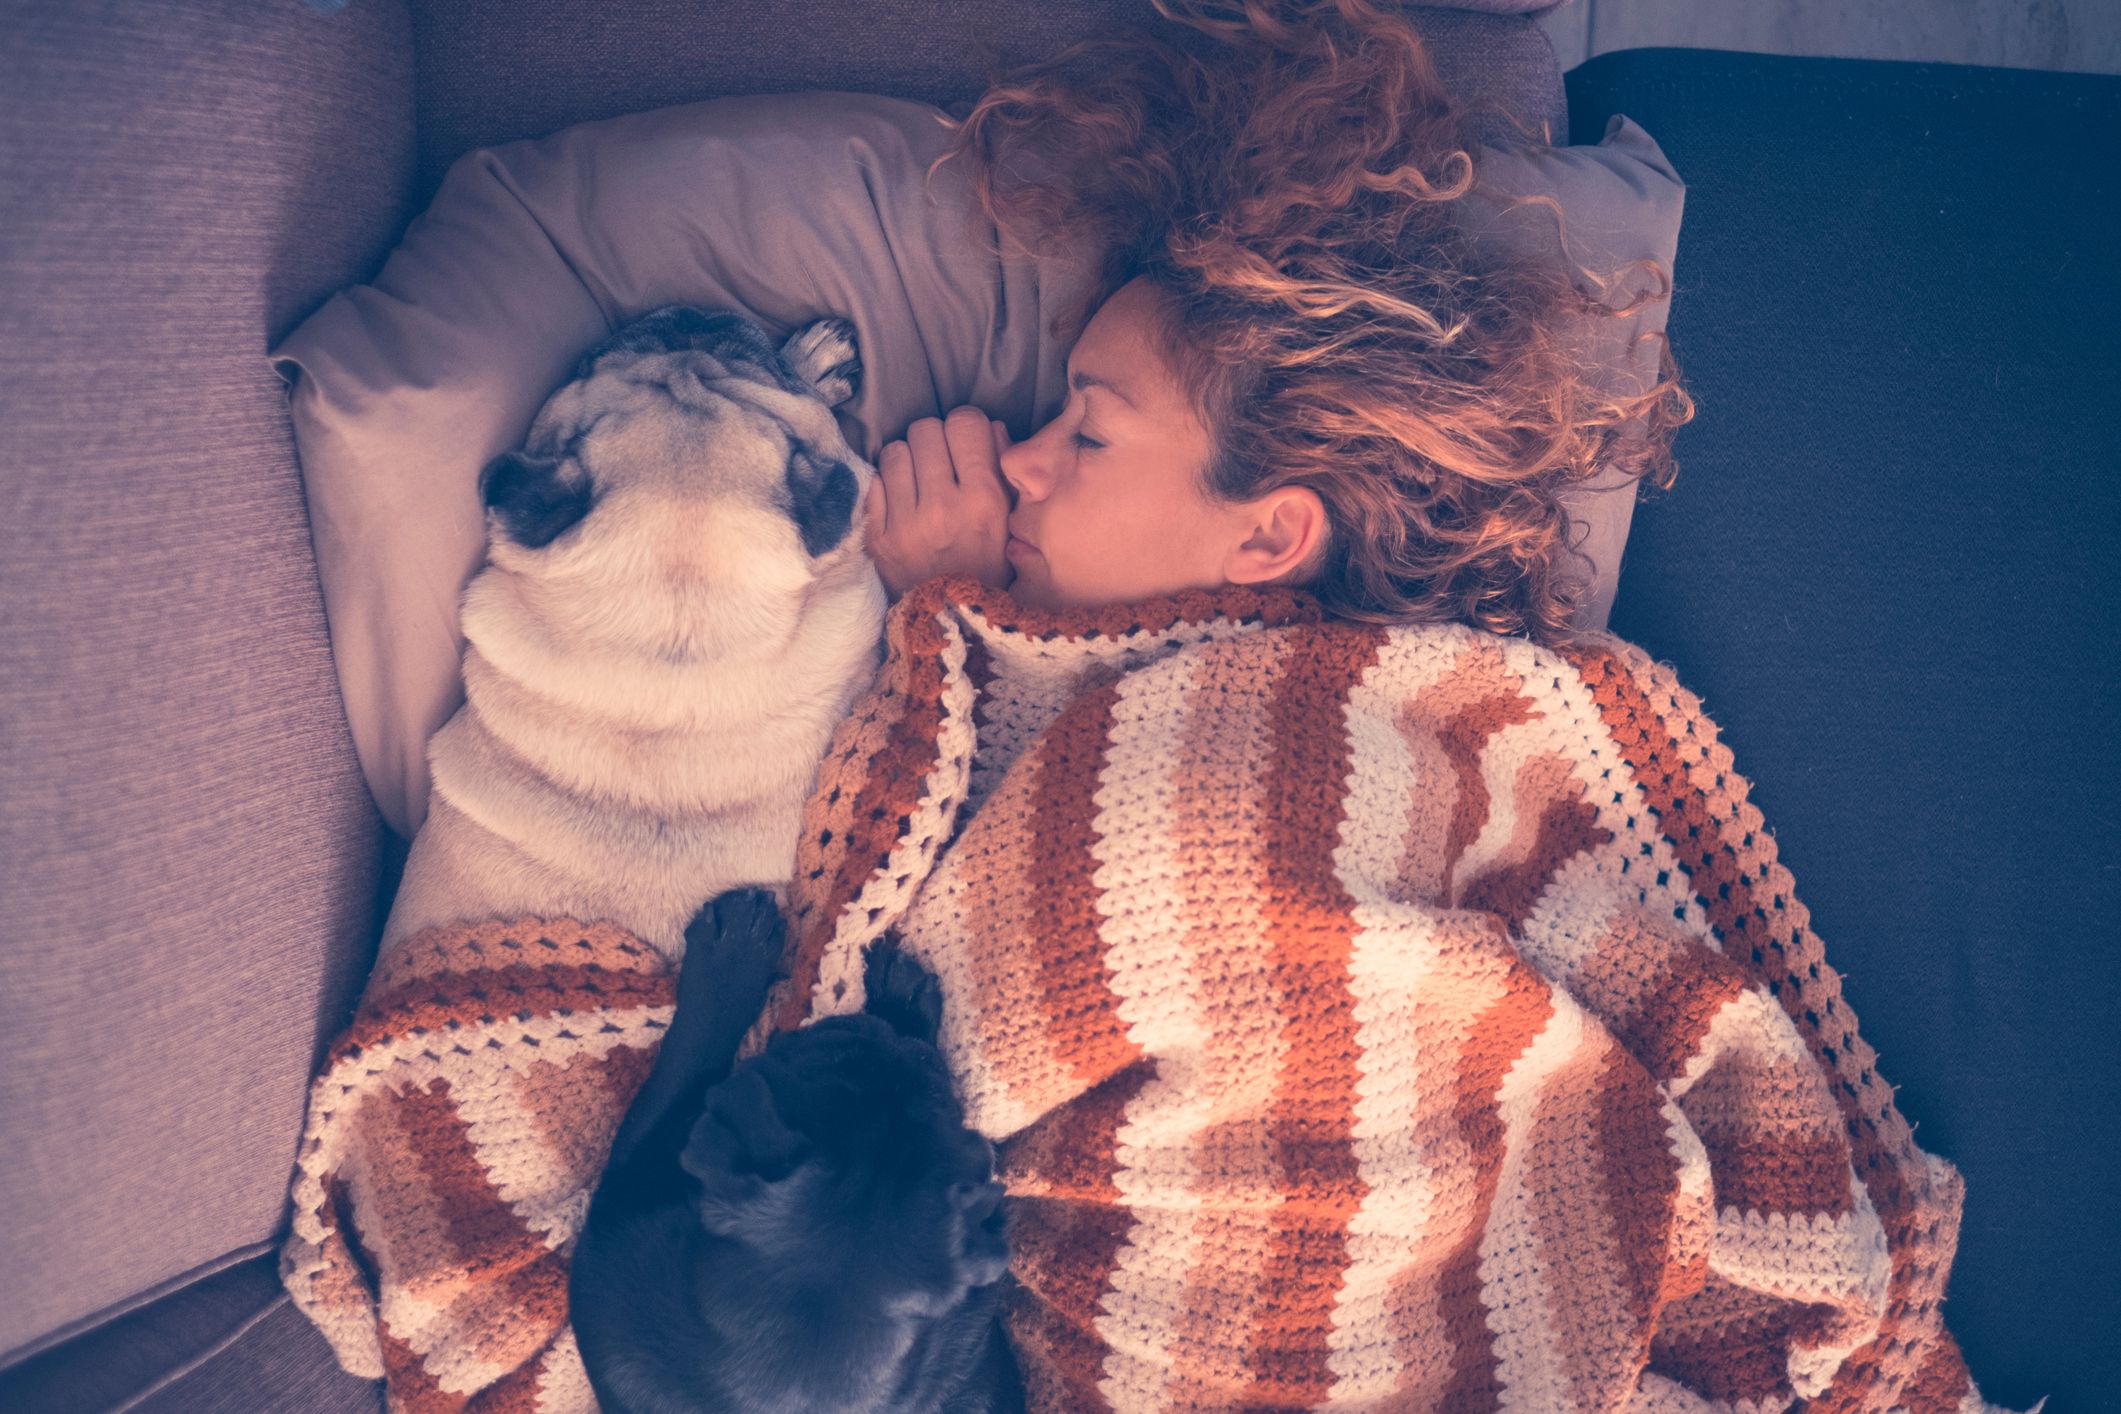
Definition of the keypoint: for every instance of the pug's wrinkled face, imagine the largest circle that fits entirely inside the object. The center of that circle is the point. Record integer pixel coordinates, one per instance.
(680, 496)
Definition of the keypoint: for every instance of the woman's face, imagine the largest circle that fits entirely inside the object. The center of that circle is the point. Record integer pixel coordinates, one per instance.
(1106, 493)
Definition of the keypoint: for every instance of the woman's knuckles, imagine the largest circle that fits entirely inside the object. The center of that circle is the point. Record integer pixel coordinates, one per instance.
(971, 440)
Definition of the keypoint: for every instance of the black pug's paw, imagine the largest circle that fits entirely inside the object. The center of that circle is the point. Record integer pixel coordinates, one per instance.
(902, 993)
(737, 938)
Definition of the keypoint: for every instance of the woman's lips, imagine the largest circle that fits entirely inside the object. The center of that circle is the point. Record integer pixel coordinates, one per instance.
(1018, 545)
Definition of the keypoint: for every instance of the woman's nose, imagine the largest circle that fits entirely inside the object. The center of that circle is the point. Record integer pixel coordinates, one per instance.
(1027, 466)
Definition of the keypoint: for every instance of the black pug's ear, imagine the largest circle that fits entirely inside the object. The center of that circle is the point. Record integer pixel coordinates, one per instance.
(738, 1149)
(534, 506)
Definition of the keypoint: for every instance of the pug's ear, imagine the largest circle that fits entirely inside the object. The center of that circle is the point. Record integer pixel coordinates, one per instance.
(823, 494)
(528, 501)
(738, 1149)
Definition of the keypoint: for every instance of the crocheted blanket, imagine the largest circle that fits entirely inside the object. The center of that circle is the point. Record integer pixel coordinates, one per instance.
(1382, 1018)
(453, 1141)
(1388, 1018)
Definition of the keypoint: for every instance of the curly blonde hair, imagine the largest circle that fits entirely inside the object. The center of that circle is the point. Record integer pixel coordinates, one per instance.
(1291, 198)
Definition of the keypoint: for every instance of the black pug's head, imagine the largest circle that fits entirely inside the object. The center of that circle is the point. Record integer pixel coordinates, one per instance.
(855, 1210)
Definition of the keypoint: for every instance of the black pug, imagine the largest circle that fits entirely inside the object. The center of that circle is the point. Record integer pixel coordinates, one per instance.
(816, 1231)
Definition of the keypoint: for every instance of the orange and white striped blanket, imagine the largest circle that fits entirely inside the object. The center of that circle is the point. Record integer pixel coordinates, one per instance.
(1386, 1019)
(1374, 1018)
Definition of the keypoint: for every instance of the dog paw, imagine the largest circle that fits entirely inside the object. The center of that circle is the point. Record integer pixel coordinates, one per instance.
(740, 933)
(824, 352)
(901, 992)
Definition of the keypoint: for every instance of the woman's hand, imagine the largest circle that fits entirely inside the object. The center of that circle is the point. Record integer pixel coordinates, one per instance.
(938, 504)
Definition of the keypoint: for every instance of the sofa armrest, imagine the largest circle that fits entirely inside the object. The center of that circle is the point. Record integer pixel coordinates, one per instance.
(1886, 569)
(187, 853)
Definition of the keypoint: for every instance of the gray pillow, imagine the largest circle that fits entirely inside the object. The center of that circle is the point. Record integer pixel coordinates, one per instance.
(787, 206)
(1622, 203)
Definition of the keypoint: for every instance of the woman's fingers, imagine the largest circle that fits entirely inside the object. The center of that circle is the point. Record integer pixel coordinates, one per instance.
(939, 504)
(894, 465)
(971, 441)
(931, 455)
(975, 453)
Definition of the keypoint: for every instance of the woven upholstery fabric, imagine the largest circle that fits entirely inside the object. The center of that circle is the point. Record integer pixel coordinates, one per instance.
(508, 69)
(187, 853)
(281, 1362)
(231, 1342)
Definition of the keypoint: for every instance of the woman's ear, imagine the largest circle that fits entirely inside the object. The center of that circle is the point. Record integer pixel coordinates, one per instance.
(1284, 534)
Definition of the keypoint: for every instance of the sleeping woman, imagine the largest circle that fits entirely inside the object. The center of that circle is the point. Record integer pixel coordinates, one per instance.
(1296, 370)
(1315, 907)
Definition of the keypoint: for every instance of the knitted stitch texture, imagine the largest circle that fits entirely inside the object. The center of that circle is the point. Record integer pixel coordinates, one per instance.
(453, 1141)
(1374, 1018)
(1367, 1018)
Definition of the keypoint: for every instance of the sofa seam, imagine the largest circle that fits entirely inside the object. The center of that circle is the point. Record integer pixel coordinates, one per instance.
(86, 1325)
(1985, 86)
(169, 1378)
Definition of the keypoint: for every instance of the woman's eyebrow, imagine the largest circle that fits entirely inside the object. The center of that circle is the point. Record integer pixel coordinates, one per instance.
(1080, 381)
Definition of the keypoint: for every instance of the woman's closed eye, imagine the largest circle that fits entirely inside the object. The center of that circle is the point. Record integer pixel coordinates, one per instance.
(1087, 444)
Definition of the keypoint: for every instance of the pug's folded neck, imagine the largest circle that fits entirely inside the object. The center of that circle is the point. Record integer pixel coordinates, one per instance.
(596, 767)
(589, 682)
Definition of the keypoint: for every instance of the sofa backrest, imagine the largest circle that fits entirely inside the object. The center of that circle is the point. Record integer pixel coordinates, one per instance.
(187, 852)
(493, 73)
